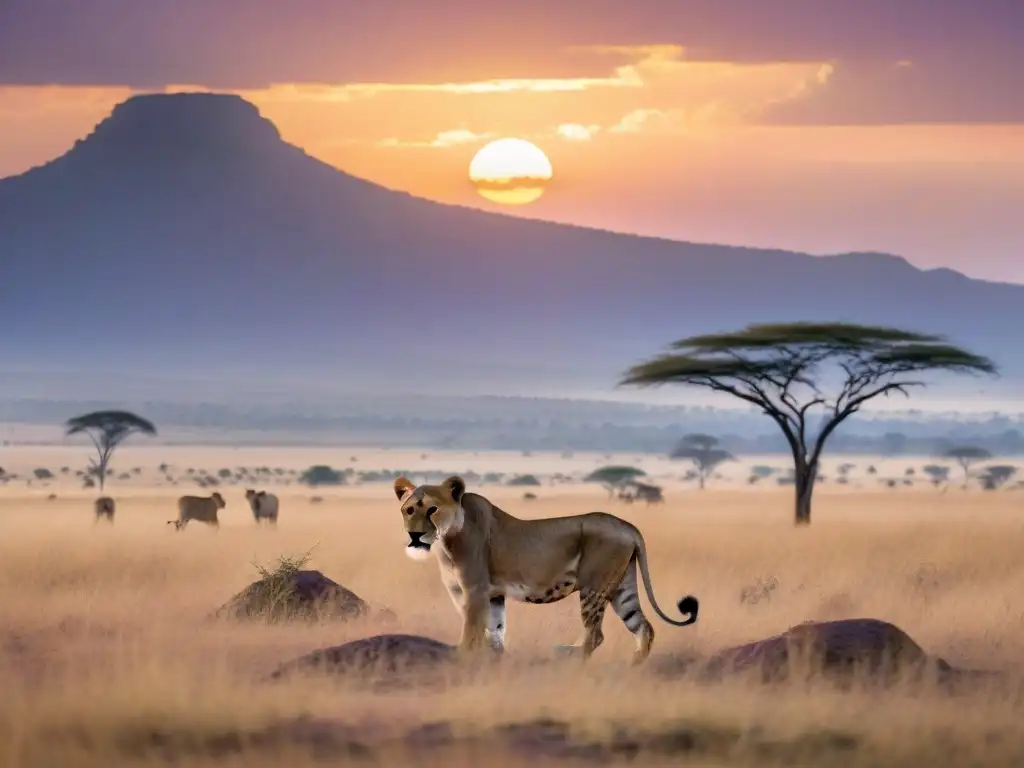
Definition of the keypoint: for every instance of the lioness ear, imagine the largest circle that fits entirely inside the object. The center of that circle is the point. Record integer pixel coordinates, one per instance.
(455, 486)
(402, 486)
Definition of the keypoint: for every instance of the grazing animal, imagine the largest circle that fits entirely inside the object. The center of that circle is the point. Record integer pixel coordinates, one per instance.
(487, 555)
(103, 508)
(263, 505)
(635, 491)
(202, 509)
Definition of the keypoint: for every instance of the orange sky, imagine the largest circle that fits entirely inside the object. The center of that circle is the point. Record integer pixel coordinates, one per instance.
(657, 144)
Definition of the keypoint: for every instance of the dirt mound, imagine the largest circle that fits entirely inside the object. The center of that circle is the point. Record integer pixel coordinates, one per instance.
(835, 648)
(395, 658)
(291, 594)
(394, 661)
(839, 651)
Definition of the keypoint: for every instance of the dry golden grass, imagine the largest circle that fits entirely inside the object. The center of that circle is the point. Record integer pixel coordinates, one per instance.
(106, 657)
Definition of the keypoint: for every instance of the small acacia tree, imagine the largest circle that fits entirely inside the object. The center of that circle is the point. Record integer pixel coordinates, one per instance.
(611, 477)
(107, 430)
(937, 474)
(704, 452)
(782, 369)
(995, 476)
(967, 456)
(321, 474)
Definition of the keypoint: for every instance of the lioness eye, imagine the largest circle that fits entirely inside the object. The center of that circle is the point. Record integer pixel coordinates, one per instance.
(408, 511)
(431, 511)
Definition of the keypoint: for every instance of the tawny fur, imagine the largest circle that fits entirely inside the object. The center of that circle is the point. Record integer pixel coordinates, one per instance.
(202, 509)
(263, 505)
(103, 509)
(487, 556)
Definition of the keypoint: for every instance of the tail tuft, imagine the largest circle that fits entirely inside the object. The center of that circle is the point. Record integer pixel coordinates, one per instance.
(688, 606)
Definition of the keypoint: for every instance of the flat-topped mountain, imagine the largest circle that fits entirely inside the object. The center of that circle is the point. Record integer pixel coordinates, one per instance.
(184, 232)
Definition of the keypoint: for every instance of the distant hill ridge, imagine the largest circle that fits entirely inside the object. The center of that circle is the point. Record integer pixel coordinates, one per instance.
(183, 232)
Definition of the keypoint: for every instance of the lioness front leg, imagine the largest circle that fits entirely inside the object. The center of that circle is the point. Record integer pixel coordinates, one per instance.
(496, 623)
(455, 593)
(476, 610)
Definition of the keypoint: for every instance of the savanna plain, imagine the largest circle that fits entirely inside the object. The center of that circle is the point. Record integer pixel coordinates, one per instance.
(108, 655)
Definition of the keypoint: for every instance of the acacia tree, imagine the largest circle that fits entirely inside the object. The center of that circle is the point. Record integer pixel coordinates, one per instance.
(107, 430)
(612, 477)
(966, 456)
(704, 452)
(937, 474)
(995, 476)
(782, 369)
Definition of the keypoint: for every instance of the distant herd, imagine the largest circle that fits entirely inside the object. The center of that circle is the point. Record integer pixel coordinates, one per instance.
(203, 509)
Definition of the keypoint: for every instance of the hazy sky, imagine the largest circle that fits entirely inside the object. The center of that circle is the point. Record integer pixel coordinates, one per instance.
(823, 126)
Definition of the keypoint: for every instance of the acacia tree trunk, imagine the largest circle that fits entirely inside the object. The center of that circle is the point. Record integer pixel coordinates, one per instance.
(967, 473)
(804, 474)
(101, 469)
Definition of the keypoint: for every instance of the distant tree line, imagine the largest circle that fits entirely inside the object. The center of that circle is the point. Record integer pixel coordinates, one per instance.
(547, 426)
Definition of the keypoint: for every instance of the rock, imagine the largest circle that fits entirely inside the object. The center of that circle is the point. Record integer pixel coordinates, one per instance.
(833, 648)
(302, 595)
(400, 658)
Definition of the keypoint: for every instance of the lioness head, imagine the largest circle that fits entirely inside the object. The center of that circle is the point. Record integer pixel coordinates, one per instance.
(429, 512)
(218, 499)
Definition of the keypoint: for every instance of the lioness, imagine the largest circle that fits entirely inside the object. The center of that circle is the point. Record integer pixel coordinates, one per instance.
(263, 505)
(203, 509)
(103, 509)
(487, 555)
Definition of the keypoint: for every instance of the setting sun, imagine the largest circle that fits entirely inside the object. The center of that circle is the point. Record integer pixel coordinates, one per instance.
(510, 171)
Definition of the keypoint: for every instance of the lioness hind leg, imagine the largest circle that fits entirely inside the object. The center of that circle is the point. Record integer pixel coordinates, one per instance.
(626, 604)
(592, 607)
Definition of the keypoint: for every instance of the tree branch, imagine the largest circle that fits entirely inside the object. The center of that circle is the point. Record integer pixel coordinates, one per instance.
(96, 443)
(851, 407)
(763, 403)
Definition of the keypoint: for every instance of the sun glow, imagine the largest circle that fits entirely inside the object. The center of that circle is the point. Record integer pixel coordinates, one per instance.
(510, 171)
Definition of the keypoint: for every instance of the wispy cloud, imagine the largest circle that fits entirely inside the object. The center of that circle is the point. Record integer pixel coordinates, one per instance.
(459, 136)
(657, 90)
(623, 77)
(706, 120)
(648, 64)
(443, 139)
(576, 131)
(646, 119)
